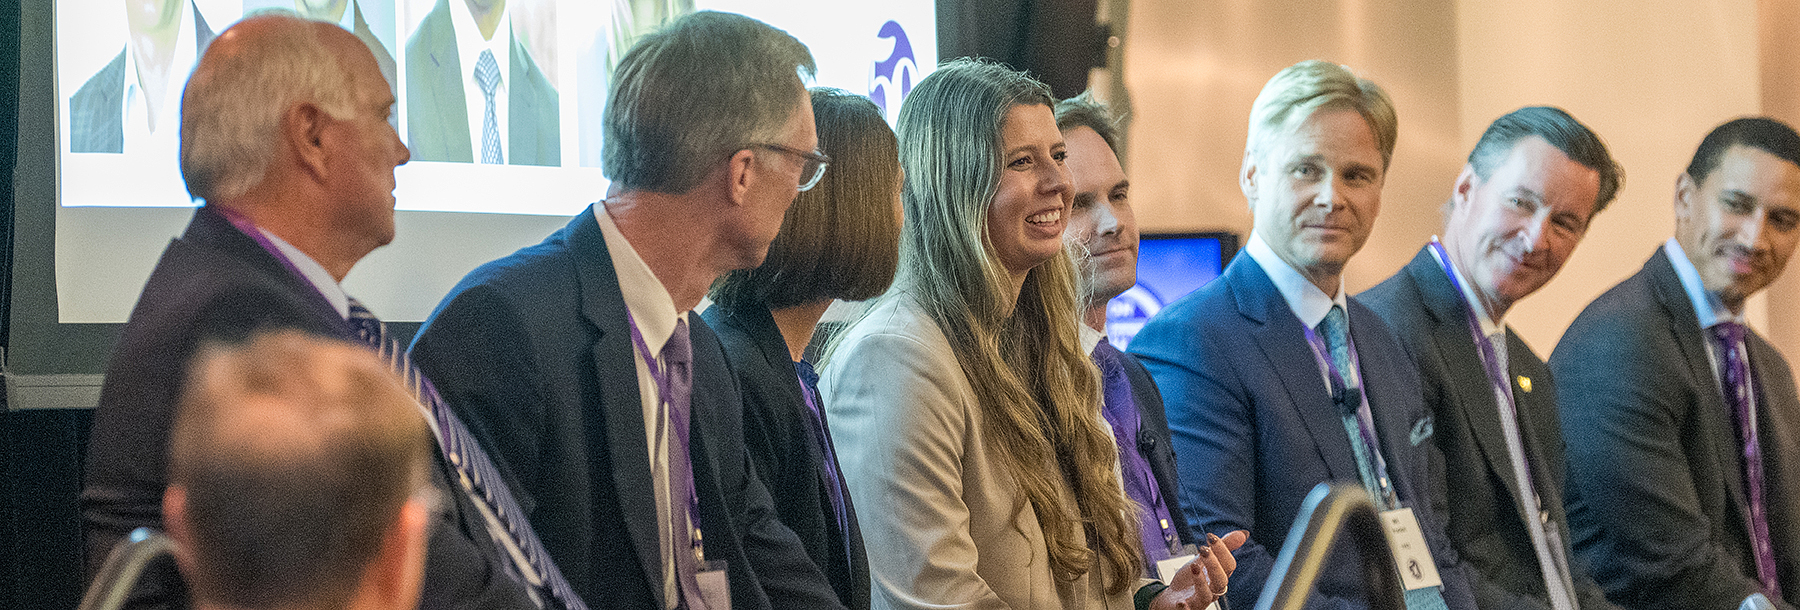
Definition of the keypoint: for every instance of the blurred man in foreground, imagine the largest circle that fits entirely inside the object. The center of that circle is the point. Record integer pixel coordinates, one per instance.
(298, 479)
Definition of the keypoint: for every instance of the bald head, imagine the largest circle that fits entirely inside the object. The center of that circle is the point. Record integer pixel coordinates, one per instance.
(290, 461)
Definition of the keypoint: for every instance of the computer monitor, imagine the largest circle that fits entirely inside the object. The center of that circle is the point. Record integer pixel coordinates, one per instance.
(1170, 265)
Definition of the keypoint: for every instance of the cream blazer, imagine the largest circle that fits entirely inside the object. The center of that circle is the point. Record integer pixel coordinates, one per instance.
(935, 507)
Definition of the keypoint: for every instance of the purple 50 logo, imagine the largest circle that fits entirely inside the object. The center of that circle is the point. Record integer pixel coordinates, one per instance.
(892, 78)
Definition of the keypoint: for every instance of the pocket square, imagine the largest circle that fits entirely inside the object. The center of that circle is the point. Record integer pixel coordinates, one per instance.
(1421, 430)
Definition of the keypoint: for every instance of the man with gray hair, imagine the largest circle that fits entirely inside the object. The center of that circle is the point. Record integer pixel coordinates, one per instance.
(298, 478)
(580, 362)
(285, 136)
(1325, 393)
(1521, 205)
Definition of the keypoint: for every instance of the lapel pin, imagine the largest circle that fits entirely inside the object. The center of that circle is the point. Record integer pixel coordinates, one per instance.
(1525, 383)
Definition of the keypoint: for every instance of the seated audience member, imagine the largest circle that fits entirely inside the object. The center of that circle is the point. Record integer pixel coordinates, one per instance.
(578, 361)
(1276, 380)
(298, 479)
(840, 240)
(1524, 200)
(1684, 468)
(1104, 233)
(285, 136)
(961, 401)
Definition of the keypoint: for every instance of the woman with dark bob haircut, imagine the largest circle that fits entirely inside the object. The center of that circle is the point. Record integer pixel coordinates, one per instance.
(966, 413)
(839, 240)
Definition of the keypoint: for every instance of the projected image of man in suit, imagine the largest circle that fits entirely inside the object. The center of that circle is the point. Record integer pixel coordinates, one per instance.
(474, 94)
(1327, 394)
(1680, 419)
(1515, 214)
(128, 106)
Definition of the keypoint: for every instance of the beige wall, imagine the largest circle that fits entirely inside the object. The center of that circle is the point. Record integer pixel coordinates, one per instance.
(1651, 76)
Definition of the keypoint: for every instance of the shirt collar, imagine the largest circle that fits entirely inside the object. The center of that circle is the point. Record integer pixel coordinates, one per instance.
(314, 273)
(1306, 300)
(469, 43)
(1489, 325)
(1089, 338)
(1707, 306)
(651, 307)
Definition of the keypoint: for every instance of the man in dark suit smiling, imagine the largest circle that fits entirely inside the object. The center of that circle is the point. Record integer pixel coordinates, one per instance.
(1681, 422)
(1532, 185)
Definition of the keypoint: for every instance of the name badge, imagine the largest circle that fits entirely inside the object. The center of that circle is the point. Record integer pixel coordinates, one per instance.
(1411, 555)
(715, 588)
(1167, 568)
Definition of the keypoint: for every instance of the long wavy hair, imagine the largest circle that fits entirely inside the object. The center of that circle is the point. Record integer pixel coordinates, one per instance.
(1037, 390)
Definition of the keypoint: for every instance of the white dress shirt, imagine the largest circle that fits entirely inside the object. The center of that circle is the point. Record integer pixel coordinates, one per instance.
(469, 46)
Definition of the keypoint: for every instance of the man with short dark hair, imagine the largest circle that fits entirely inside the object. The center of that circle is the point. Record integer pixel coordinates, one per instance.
(579, 362)
(1680, 420)
(298, 479)
(1515, 214)
(298, 179)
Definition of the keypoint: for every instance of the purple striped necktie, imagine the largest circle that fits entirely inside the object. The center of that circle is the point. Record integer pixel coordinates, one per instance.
(479, 479)
(1738, 386)
(1140, 483)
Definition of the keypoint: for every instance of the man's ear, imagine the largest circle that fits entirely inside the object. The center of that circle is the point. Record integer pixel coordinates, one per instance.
(175, 524)
(303, 131)
(738, 171)
(1247, 178)
(1687, 194)
(1466, 183)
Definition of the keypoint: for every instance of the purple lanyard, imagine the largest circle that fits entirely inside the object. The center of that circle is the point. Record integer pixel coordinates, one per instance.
(249, 230)
(1489, 359)
(663, 378)
(1365, 420)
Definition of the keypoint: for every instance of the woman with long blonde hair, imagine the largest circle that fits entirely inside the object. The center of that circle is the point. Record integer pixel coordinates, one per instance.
(964, 410)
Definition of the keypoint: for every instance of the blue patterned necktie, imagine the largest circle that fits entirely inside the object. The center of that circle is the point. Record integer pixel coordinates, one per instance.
(487, 75)
(1336, 331)
(478, 477)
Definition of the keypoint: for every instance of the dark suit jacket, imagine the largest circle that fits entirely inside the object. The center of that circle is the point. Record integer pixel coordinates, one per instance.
(1485, 522)
(1153, 442)
(1255, 428)
(437, 116)
(216, 284)
(1656, 494)
(96, 119)
(780, 436)
(534, 352)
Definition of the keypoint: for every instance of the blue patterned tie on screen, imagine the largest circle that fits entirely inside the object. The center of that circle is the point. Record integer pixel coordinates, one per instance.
(479, 479)
(487, 75)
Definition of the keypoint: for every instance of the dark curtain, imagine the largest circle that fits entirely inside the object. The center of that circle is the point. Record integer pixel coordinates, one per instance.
(1056, 41)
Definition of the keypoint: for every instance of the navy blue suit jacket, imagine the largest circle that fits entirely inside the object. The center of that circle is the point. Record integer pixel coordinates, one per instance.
(1255, 428)
(535, 353)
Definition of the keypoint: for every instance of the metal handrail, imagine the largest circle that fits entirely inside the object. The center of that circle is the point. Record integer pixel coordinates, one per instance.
(120, 572)
(1330, 513)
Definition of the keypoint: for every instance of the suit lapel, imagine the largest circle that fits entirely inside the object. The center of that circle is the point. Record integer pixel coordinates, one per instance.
(442, 106)
(1466, 376)
(1779, 432)
(621, 425)
(1282, 339)
(211, 230)
(1712, 414)
(522, 109)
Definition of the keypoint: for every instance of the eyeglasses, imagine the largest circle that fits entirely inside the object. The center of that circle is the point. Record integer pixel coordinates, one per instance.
(812, 167)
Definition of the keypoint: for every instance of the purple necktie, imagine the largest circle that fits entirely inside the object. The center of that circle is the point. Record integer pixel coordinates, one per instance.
(479, 478)
(1737, 386)
(1140, 484)
(833, 478)
(677, 395)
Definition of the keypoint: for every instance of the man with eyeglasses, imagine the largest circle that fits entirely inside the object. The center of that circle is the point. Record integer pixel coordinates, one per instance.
(579, 364)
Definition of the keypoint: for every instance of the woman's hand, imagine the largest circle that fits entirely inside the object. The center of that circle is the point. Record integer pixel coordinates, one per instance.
(1205, 579)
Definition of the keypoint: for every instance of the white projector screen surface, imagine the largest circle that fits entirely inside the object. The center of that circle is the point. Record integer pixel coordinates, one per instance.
(120, 67)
